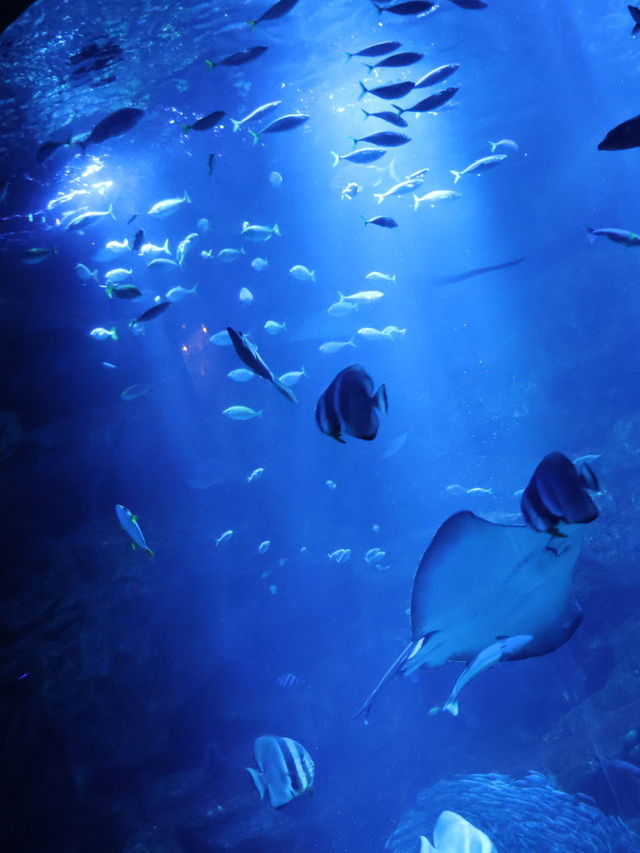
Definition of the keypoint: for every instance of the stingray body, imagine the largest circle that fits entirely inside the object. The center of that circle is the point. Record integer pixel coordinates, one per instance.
(479, 582)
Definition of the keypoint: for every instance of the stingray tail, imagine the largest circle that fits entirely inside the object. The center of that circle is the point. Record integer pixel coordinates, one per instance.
(394, 669)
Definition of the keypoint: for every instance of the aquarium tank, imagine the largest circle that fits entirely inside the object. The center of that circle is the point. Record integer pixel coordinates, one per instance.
(320, 427)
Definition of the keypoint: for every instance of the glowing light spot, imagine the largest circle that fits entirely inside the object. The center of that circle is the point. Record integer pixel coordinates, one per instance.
(185, 348)
(204, 329)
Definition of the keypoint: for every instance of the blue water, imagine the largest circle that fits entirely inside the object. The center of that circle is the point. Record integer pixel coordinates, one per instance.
(133, 688)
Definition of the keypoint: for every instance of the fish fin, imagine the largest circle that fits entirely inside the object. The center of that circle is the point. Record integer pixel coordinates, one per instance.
(134, 547)
(354, 140)
(493, 145)
(236, 124)
(336, 158)
(364, 219)
(165, 247)
(276, 230)
(258, 781)
(366, 114)
(109, 289)
(400, 110)
(368, 67)
(340, 295)
(114, 334)
(363, 89)
(210, 64)
(379, 196)
(252, 24)
(416, 202)
(381, 400)
(254, 136)
(150, 553)
(186, 128)
(259, 413)
(456, 175)
(591, 237)
(347, 54)
(110, 211)
(425, 845)
(394, 669)
(352, 342)
(304, 373)
(313, 276)
(187, 197)
(379, 8)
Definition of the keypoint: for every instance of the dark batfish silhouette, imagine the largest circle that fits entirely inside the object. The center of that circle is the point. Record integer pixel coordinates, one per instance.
(248, 353)
(556, 494)
(623, 136)
(348, 405)
(273, 12)
(478, 581)
(113, 125)
(634, 11)
(462, 276)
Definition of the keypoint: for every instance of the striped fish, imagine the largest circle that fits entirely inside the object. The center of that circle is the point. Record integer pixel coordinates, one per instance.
(286, 769)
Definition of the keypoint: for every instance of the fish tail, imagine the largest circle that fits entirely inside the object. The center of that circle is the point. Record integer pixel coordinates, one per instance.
(254, 136)
(83, 146)
(109, 289)
(366, 114)
(399, 109)
(252, 24)
(242, 250)
(379, 196)
(276, 230)
(165, 247)
(381, 400)
(187, 197)
(493, 145)
(304, 373)
(451, 707)
(336, 158)
(363, 90)
(194, 289)
(393, 278)
(591, 237)
(114, 334)
(364, 219)
(379, 8)
(456, 175)
(186, 128)
(352, 342)
(236, 124)
(94, 275)
(368, 67)
(347, 54)
(210, 65)
(313, 276)
(416, 202)
(354, 140)
(110, 211)
(259, 413)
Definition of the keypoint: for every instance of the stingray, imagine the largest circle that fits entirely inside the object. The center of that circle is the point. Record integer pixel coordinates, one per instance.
(479, 582)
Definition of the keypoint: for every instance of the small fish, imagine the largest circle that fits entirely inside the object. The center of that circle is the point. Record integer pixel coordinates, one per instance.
(152, 249)
(383, 139)
(245, 296)
(288, 122)
(139, 389)
(206, 122)
(37, 255)
(129, 524)
(435, 196)
(282, 7)
(437, 75)
(263, 547)
(229, 255)
(255, 475)
(288, 680)
(360, 155)
(373, 334)
(272, 327)
(163, 265)
(331, 347)
(113, 125)
(259, 112)
(204, 224)
(117, 247)
(137, 240)
(131, 218)
(478, 166)
(101, 334)
(240, 374)
(478, 490)
(221, 339)
(388, 116)
(378, 49)
(168, 206)
(364, 296)
(224, 537)
(616, 235)
(433, 102)
(331, 484)
(342, 308)
(380, 276)
(412, 7)
(275, 179)
(259, 233)
(507, 144)
(470, 4)
(382, 221)
(402, 188)
(286, 768)
(341, 555)
(123, 290)
(109, 364)
(117, 275)
(259, 264)
(151, 313)
(178, 293)
(241, 413)
(84, 220)
(398, 60)
(239, 58)
(301, 273)
(351, 190)
(292, 377)
(185, 246)
(388, 92)
(374, 555)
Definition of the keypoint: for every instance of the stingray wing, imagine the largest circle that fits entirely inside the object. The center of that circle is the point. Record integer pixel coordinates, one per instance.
(478, 581)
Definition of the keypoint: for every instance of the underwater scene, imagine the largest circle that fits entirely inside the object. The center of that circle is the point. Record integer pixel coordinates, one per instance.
(320, 427)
